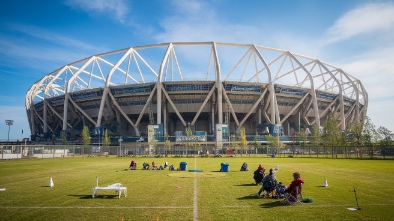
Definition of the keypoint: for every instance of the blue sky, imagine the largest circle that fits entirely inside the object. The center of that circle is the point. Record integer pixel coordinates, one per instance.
(38, 37)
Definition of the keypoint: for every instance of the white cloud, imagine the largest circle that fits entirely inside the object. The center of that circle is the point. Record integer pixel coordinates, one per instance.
(188, 7)
(50, 36)
(365, 19)
(33, 56)
(198, 21)
(375, 70)
(116, 9)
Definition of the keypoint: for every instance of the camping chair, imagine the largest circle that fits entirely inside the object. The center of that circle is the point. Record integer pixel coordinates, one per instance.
(295, 196)
(258, 176)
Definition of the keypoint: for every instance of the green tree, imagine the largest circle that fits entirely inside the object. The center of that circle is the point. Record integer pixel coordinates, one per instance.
(370, 135)
(64, 137)
(315, 139)
(331, 136)
(189, 134)
(106, 139)
(242, 137)
(356, 136)
(167, 144)
(385, 139)
(85, 136)
(273, 143)
(301, 138)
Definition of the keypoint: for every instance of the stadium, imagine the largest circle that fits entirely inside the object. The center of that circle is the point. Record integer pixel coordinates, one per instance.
(156, 91)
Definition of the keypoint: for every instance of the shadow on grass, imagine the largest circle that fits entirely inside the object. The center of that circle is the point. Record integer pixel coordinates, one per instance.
(84, 197)
(250, 197)
(273, 203)
(246, 184)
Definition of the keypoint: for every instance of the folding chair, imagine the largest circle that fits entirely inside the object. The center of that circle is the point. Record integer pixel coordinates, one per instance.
(295, 196)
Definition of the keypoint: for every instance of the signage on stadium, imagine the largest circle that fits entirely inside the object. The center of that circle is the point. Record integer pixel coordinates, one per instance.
(245, 88)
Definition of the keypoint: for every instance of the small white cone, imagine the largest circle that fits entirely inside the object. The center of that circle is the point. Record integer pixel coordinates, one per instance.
(276, 168)
(325, 183)
(51, 183)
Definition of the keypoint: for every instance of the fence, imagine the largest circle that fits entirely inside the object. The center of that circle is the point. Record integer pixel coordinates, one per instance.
(195, 149)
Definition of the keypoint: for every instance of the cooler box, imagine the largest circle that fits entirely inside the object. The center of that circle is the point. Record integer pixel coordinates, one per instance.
(224, 167)
(182, 166)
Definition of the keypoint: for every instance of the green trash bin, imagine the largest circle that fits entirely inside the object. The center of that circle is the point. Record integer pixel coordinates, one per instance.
(224, 167)
(182, 166)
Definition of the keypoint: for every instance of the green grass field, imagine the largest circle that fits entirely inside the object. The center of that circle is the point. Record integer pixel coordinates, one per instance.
(182, 195)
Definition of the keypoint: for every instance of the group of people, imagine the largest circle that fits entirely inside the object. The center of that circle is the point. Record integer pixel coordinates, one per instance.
(153, 166)
(270, 183)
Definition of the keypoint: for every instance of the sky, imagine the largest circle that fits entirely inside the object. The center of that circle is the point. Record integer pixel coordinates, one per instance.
(38, 37)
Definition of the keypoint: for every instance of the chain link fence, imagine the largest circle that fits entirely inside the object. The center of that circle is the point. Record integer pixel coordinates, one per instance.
(196, 149)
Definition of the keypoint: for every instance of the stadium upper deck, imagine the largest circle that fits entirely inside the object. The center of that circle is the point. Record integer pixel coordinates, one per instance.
(201, 84)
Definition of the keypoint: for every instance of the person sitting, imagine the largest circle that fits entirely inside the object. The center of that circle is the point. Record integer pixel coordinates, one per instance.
(280, 190)
(269, 184)
(145, 166)
(161, 167)
(244, 167)
(154, 166)
(258, 176)
(171, 167)
(165, 164)
(296, 183)
(133, 165)
(261, 168)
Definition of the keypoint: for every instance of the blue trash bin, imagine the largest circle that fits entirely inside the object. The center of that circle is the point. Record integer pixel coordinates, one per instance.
(182, 166)
(224, 167)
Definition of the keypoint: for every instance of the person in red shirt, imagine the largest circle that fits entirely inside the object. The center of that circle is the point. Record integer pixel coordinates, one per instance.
(154, 166)
(133, 165)
(261, 168)
(297, 182)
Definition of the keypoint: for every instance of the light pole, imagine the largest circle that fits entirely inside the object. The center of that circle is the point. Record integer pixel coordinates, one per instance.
(9, 123)
(277, 134)
(99, 137)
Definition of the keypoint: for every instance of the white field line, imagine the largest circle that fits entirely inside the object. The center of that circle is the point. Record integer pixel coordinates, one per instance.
(195, 203)
(308, 205)
(96, 207)
(182, 207)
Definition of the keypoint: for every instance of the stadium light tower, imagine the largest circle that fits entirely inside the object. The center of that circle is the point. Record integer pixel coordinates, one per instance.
(9, 123)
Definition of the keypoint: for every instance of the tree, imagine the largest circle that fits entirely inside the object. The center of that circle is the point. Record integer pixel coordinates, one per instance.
(64, 137)
(356, 136)
(242, 136)
(273, 142)
(370, 135)
(386, 139)
(315, 139)
(85, 136)
(331, 136)
(106, 139)
(189, 134)
(167, 144)
(301, 138)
